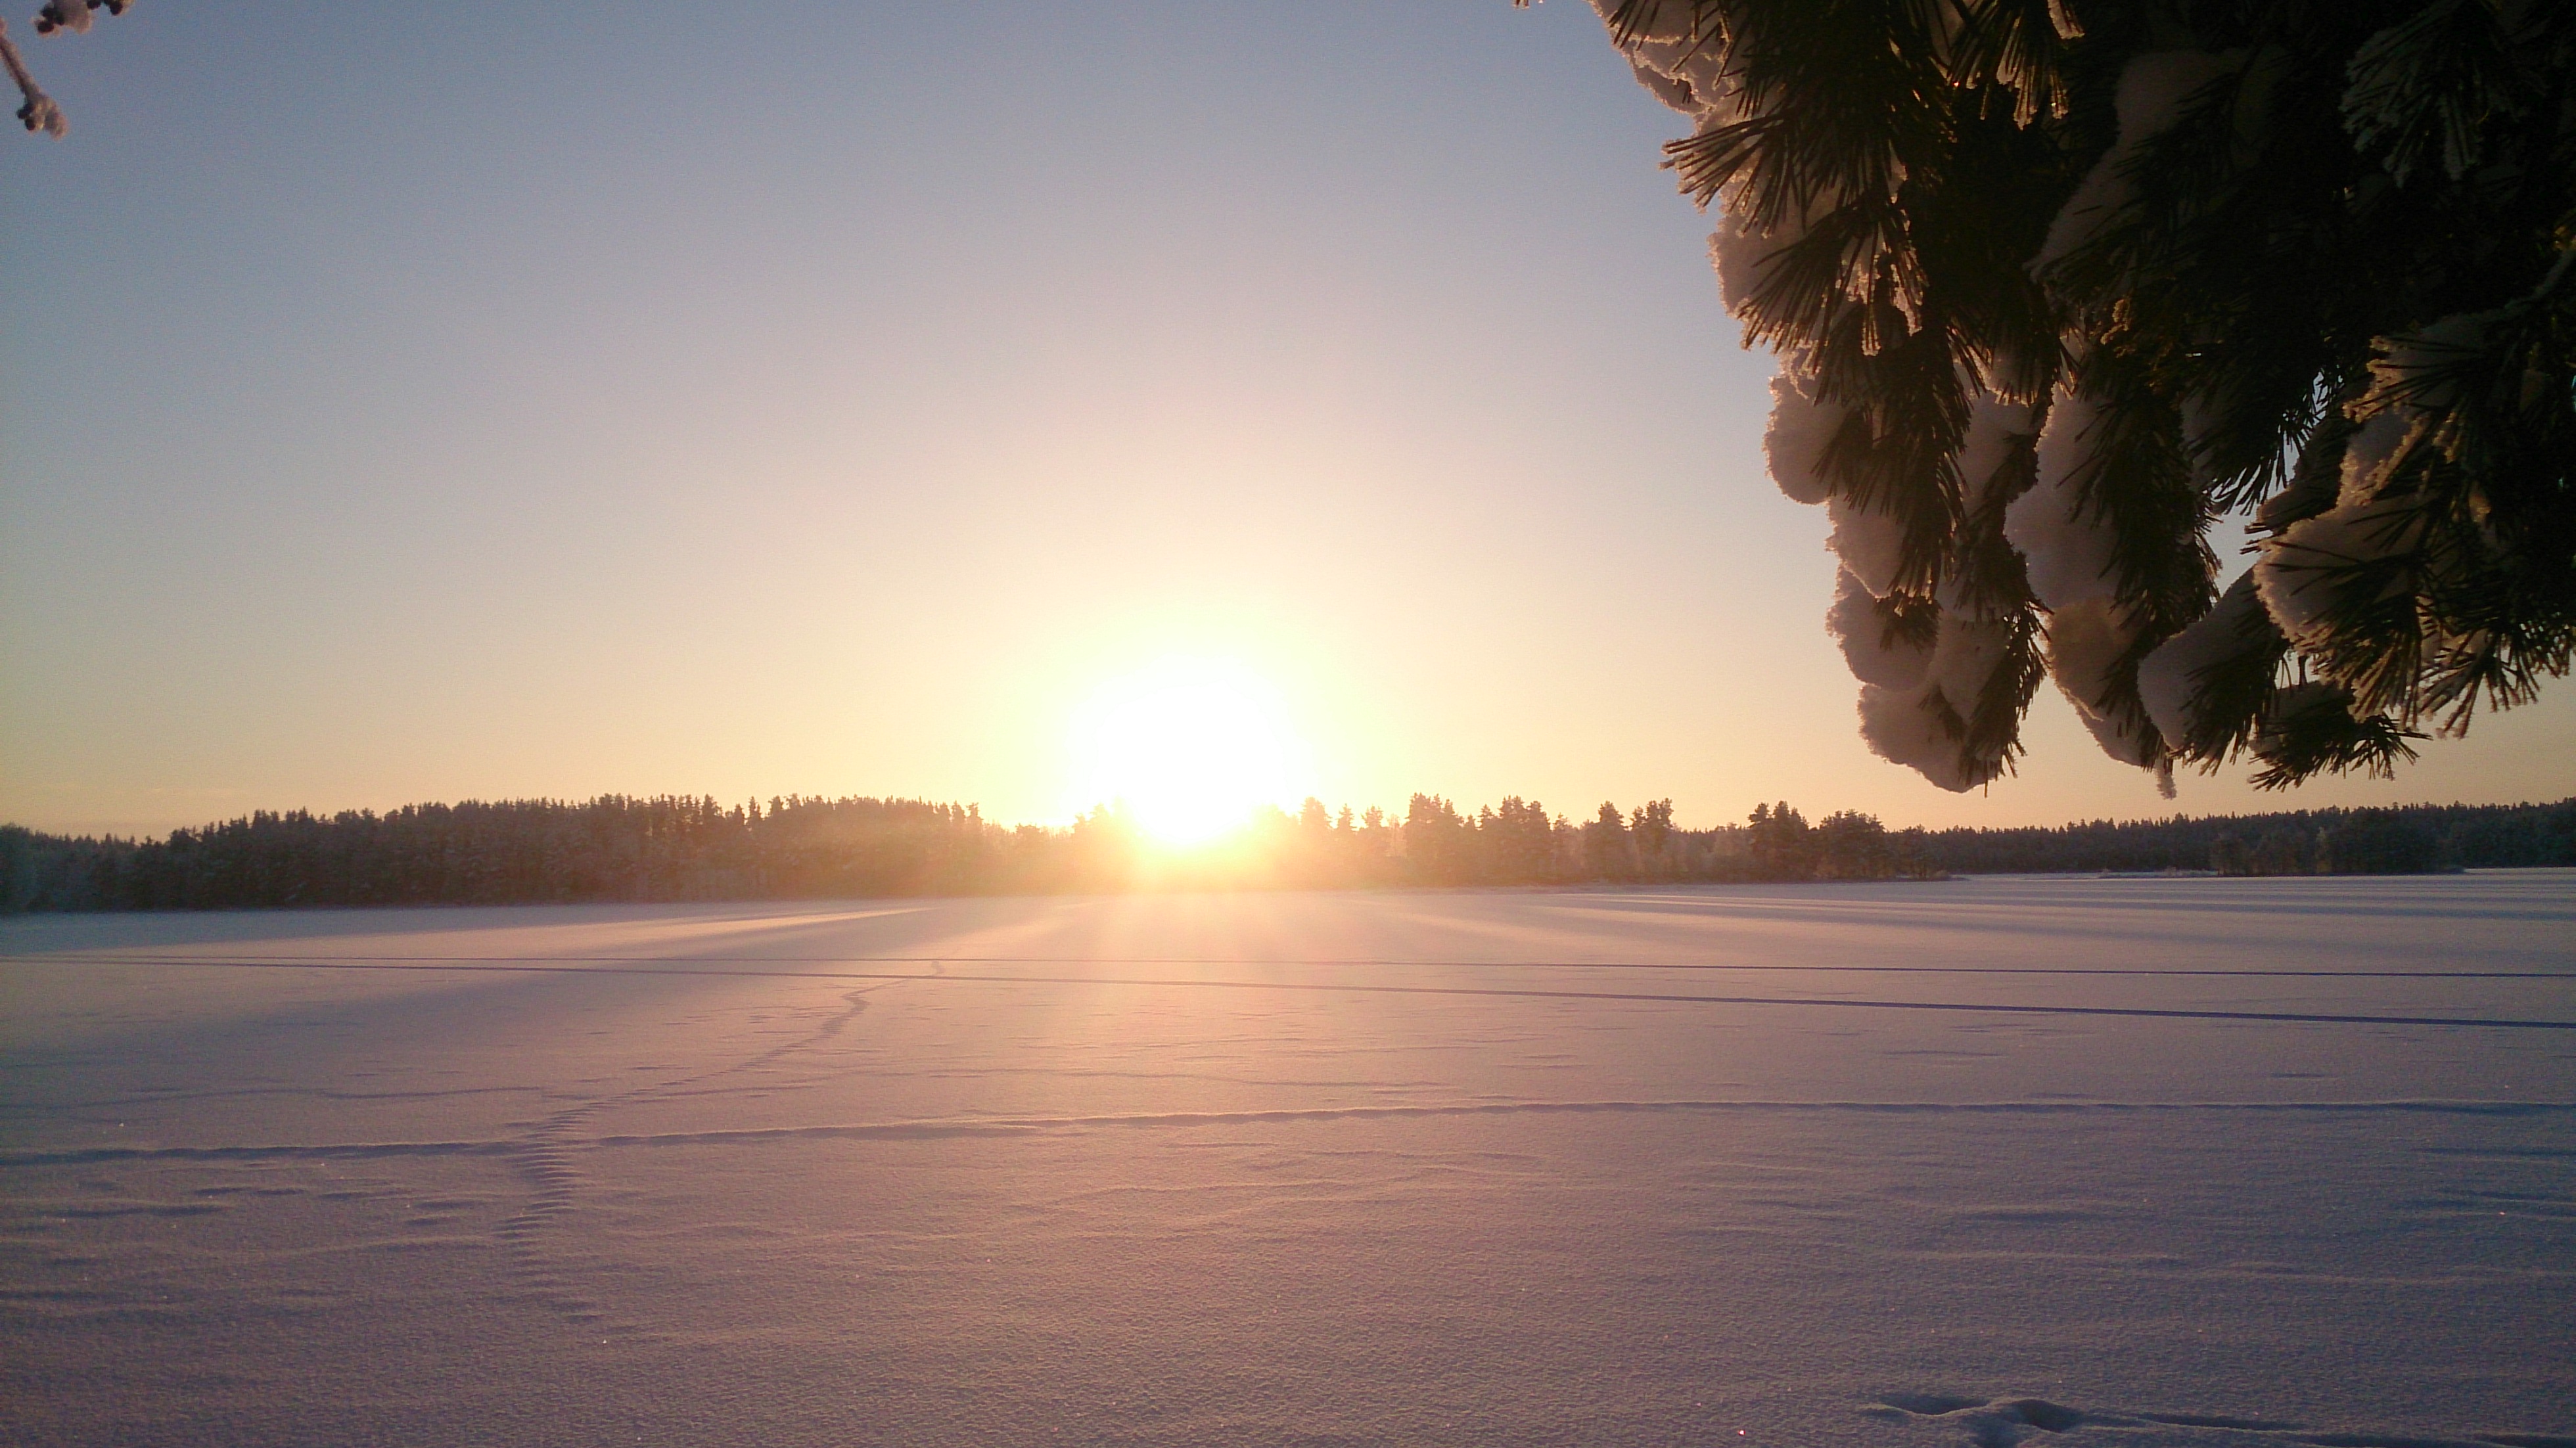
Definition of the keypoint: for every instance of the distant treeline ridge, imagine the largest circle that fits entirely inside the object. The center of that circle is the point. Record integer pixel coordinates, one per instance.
(677, 848)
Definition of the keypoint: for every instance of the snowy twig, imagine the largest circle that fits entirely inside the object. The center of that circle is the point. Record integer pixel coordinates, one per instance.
(40, 113)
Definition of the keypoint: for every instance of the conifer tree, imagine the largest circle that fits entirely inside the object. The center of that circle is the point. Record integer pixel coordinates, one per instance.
(2060, 288)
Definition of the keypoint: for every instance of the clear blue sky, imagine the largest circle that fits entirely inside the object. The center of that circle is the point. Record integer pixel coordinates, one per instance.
(405, 402)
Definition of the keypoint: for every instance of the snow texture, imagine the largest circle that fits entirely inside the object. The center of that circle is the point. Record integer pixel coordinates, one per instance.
(1683, 68)
(1871, 1165)
(2372, 519)
(2149, 101)
(1870, 544)
(1904, 726)
(1966, 657)
(1913, 700)
(2310, 492)
(2169, 678)
(60, 16)
(1993, 426)
(1855, 625)
(1737, 253)
(2367, 453)
(1904, 719)
(2068, 549)
(1909, 701)
(2297, 575)
(2423, 362)
(1794, 444)
(1674, 93)
(2085, 642)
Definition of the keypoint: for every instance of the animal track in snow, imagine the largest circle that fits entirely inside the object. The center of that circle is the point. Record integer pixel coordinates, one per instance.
(546, 1159)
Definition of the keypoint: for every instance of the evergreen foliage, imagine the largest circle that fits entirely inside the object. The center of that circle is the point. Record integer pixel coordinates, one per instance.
(2058, 286)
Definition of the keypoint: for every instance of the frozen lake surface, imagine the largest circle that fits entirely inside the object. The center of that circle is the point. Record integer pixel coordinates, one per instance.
(2097, 1163)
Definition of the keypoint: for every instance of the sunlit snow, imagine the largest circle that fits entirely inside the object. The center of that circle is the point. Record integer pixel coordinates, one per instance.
(1922, 1164)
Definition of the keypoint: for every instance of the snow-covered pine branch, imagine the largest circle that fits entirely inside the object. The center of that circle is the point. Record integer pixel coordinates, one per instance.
(2056, 288)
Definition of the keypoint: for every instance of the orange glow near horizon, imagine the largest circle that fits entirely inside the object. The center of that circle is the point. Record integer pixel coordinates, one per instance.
(1190, 748)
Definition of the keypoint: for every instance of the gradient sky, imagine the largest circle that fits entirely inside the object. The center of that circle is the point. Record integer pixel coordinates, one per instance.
(414, 402)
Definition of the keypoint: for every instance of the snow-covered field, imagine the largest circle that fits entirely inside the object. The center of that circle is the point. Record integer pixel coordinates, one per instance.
(2100, 1163)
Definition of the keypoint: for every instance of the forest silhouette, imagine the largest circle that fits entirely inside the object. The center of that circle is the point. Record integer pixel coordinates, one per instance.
(680, 848)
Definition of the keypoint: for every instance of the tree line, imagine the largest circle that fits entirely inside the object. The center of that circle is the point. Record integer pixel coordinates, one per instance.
(680, 848)
(2400, 840)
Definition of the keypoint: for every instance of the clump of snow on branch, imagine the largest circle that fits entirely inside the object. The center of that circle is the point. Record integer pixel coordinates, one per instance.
(2306, 574)
(2170, 678)
(1994, 427)
(1918, 724)
(2152, 90)
(1680, 62)
(1870, 544)
(1686, 66)
(1966, 657)
(2068, 548)
(2068, 551)
(1915, 696)
(1737, 253)
(37, 111)
(71, 15)
(2385, 557)
(1899, 729)
(2300, 573)
(2366, 456)
(1801, 426)
(1916, 699)
(2084, 644)
(1876, 657)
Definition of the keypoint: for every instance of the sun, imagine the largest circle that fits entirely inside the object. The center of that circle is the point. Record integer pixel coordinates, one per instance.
(1189, 748)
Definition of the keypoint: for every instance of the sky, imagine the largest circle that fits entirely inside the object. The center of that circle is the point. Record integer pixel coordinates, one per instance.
(405, 403)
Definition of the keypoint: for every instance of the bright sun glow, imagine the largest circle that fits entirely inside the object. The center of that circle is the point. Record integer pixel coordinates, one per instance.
(1189, 747)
